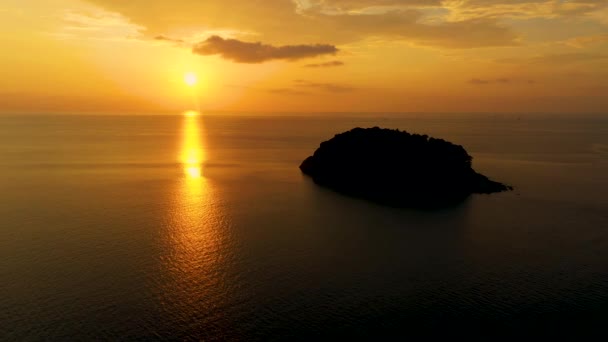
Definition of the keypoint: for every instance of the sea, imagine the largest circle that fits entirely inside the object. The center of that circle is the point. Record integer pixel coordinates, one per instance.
(201, 227)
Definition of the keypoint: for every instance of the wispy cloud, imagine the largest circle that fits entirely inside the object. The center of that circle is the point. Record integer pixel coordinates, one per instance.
(325, 64)
(500, 80)
(288, 91)
(584, 41)
(328, 87)
(303, 87)
(521, 9)
(98, 25)
(169, 39)
(349, 6)
(479, 81)
(558, 58)
(337, 21)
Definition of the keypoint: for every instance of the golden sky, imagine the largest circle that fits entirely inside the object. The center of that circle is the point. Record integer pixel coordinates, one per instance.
(304, 55)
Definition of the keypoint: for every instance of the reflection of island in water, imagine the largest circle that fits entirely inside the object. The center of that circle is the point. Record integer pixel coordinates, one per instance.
(194, 241)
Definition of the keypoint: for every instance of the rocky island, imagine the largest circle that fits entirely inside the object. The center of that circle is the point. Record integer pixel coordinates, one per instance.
(396, 168)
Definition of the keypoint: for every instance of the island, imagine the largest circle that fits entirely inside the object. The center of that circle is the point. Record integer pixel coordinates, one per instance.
(396, 168)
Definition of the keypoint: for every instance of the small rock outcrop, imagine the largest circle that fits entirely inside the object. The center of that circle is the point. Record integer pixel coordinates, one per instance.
(396, 168)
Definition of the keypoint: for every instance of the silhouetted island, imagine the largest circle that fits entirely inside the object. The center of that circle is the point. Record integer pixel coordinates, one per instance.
(397, 168)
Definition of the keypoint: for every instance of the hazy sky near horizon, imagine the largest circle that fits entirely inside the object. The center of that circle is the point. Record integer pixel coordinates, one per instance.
(305, 55)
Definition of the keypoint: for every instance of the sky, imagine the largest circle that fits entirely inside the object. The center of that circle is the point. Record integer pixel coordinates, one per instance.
(304, 56)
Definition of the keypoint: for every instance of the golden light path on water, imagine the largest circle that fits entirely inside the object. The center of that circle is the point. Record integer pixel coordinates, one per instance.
(192, 153)
(195, 237)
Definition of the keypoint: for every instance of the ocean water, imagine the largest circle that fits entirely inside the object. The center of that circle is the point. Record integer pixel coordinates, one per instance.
(203, 228)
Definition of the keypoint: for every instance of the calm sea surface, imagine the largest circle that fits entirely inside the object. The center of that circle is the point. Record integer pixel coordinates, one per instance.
(203, 228)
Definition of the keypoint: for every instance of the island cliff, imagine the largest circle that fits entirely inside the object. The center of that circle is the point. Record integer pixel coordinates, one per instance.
(396, 168)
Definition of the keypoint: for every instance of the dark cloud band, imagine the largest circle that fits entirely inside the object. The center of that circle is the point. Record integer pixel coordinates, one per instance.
(245, 52)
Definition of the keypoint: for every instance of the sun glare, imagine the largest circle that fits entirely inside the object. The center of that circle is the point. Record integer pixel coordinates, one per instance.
(193, 171)
(190, 79)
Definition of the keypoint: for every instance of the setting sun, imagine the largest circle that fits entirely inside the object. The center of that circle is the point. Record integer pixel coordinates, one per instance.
(190, 79)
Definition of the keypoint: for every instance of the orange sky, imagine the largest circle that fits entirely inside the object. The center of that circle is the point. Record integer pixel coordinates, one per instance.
(304, 55)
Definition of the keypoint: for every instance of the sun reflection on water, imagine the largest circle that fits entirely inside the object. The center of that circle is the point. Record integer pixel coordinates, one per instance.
(195, 243)
(192, 153)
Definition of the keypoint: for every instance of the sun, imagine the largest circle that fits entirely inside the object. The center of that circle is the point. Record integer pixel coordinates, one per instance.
(190, 79)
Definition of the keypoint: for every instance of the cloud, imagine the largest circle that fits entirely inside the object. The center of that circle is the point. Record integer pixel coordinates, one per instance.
(584, 41)
(567, 58)
(325, 65)
(288, 91)
(479, 81)
(281, 22)
(522, 9)
(501, 80)
(409, 25)
(169, 39)
(558, 59)
(97, 25)
(244, 52)
(328, 87)
(334, 6)
(303, 87)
